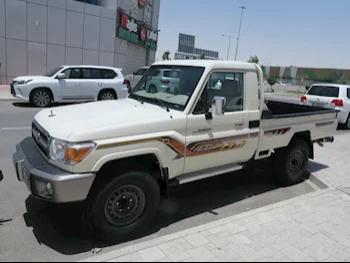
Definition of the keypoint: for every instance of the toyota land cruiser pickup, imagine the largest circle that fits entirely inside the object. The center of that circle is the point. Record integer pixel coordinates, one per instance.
(119, 158)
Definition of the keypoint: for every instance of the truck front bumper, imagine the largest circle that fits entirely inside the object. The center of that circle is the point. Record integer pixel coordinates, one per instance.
(47, 182)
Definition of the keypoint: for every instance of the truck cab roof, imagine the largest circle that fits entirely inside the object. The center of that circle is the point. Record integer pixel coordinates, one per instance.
(211, 64)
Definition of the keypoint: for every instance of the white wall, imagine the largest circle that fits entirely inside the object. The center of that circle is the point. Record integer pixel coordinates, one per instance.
(38, 35)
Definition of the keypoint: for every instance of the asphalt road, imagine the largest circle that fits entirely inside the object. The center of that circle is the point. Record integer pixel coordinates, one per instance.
(34, 231)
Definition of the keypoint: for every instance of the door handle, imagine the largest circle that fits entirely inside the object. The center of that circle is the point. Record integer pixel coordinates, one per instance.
(100, 84)
(77, 84)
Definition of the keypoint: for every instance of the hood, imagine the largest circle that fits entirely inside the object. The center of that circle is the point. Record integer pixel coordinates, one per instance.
(30, 77)
(100, 120)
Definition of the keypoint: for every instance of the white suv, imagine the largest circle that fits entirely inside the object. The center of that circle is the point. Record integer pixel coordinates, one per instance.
(71, 83)
(330, 96)
(134, 78)
(163, 80)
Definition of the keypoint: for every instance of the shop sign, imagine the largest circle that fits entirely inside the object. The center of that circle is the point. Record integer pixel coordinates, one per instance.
(142, 3)
(129, 23)
(129, 29)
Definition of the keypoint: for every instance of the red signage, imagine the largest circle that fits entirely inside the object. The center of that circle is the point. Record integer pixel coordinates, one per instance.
(124, 20)
(143, 34)
(142, 3)
(130, 29)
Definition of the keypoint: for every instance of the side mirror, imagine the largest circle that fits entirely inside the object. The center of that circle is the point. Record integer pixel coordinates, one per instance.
(218, 106)
(61, 76)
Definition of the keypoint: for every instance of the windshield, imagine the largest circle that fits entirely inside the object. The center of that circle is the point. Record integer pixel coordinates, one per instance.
(170, 86)
(53, 72)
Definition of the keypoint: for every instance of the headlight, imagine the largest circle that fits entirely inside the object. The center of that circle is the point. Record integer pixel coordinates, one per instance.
(22, 82)
(69, 153)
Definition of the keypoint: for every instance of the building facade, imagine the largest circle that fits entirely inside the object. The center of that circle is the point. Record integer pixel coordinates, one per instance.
(187, 49)
(39, 35)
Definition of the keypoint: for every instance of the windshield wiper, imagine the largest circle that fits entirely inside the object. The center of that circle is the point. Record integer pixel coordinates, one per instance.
(163, 104)
(137, 98)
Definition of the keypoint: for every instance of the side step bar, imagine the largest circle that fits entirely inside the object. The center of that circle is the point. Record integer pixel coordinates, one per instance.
(195, 176)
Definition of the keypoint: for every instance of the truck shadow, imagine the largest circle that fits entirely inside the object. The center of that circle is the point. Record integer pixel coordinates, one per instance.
(60, 227)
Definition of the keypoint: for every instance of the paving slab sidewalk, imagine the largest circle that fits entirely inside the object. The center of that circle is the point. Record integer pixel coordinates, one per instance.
(312, 227)
(5, 93)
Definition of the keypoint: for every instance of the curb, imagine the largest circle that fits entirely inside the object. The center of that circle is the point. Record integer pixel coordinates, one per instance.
(9, 99)
(191, 231)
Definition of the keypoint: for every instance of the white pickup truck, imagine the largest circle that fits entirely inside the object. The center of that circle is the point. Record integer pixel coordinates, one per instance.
(120, 157)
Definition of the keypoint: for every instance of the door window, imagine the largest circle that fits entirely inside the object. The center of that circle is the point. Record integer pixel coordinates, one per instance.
(140, 72)
(95, 73)
(108, 74)
(73, 73)
(223, 84)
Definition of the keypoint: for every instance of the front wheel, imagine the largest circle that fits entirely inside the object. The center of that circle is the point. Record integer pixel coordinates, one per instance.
(41, 98)
(289, 164)
(122, 208)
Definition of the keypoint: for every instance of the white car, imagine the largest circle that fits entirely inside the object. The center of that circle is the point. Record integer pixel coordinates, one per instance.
(331, 96)
(163, 80)
(134, 78)
(71, 83)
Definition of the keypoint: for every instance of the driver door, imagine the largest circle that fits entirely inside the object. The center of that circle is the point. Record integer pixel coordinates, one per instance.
(70, 87)
(224, 139)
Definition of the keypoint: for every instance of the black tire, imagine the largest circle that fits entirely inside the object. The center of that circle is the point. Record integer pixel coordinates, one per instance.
(41, 98)
(347, 123)
(152, 89)
(107, 95)
(128, 86)
(98, 210)
(289, 164)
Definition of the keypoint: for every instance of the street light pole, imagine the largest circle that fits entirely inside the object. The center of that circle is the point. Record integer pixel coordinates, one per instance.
(239, 31)
(229, 45)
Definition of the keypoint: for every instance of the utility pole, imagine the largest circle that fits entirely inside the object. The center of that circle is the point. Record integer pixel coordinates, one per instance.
(239, 31)
(229, 45)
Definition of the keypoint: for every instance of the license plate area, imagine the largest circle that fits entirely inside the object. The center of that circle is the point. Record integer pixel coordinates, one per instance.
(318, 104)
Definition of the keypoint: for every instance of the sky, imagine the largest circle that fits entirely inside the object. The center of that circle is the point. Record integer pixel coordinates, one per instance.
(302, 33)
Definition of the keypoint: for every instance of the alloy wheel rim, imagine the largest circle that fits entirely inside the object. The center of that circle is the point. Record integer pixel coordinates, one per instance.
(41, 98)
(107, 96)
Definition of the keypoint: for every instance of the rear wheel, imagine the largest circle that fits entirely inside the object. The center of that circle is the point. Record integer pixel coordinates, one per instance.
(152, 89)
(107, 95)
(41, 98)
(289, 163)
(123, 208)
(347, 124)
(128, 86)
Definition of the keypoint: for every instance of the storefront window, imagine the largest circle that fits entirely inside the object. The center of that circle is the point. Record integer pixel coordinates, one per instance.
(93, 2)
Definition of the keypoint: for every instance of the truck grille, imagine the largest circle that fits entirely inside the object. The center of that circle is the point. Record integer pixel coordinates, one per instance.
(41, 138)
(12, 89)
